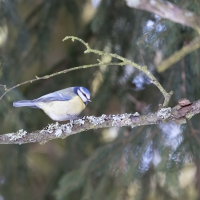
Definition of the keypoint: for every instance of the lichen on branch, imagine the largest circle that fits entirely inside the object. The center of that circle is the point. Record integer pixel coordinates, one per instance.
(56, 130)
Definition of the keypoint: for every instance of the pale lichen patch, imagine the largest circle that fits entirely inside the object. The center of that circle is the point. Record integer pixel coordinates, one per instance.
(152, 2)
(15, 136)
(133, 3)
(164, 113)
(57, 128)
(189, 115)
(136, 114)
(58, 133)
(117, 119)
(67, 128)
(79, 121)
(96, 120)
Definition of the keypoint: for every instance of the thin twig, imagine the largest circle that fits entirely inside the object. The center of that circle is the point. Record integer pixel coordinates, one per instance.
(144, 69)
(55, 74)
(125, 61)
(175, 57)
(4, 86)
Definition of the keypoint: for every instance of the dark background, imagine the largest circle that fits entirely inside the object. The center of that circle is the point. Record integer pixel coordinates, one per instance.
(151, 162)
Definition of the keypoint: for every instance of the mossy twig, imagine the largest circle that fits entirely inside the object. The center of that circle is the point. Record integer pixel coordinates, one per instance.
(55, 74)
(126, 61)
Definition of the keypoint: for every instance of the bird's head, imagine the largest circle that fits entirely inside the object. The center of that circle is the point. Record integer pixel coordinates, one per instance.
(84, 94)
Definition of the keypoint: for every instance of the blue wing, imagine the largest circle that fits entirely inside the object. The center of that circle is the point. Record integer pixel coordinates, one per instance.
(61, 95)
(55, 96)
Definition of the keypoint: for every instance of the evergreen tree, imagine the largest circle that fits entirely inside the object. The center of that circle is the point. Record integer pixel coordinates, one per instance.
(146, 162)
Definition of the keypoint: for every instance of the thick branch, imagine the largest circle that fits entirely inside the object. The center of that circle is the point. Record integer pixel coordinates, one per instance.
(169, 11)
(178, 114)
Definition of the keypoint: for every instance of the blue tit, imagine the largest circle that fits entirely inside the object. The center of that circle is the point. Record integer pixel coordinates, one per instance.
(61, 105)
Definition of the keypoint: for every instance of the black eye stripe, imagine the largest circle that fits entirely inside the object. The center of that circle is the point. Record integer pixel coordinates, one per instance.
(83, 94)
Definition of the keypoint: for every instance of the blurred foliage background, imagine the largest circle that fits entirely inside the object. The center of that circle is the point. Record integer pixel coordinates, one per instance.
(153, 162)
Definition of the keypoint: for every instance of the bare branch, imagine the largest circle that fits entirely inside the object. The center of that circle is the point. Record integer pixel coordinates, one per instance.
(55, 74)
(53, 131)
(126, 61)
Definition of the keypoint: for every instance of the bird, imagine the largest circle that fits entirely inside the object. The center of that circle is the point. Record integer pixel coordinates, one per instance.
(61, 105)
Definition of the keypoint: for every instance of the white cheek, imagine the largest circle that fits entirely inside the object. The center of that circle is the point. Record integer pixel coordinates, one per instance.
(88, 97)
(84, 99)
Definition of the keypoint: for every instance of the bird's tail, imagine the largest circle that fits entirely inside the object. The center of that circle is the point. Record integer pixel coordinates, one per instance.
(28, 103)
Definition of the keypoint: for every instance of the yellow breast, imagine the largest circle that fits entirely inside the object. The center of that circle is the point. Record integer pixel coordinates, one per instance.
(62, 110)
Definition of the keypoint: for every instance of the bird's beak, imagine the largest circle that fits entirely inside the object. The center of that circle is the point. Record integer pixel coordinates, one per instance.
(89, 100)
